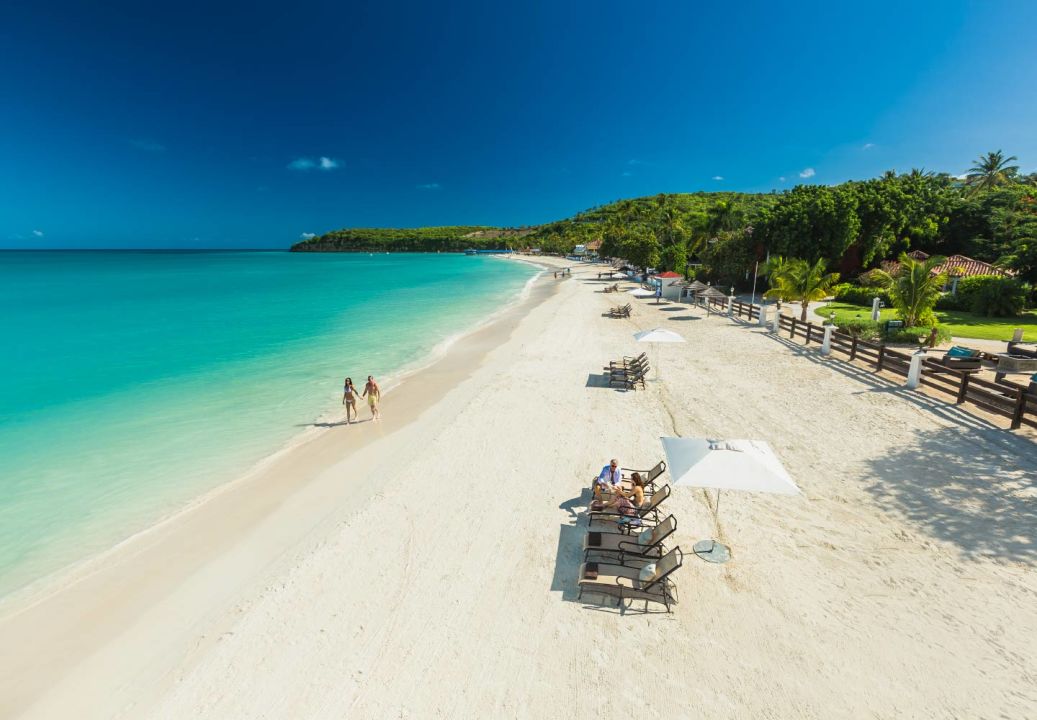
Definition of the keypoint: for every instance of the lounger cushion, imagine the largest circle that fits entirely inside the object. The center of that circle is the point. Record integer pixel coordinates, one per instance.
(645, 537)
(961, 352)
(647, 574)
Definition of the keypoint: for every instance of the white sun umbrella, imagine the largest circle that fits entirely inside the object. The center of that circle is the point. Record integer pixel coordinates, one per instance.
(746, 465)
(641, 292)
(658, 335)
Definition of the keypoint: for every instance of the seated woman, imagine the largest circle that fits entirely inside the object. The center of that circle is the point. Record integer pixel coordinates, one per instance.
(627, 503)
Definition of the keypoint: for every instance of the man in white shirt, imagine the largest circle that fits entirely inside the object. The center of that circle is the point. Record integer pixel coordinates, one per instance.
(608, 479)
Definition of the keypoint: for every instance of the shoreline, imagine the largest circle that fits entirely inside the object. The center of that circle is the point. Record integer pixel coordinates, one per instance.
(67, 593)
(324, 421)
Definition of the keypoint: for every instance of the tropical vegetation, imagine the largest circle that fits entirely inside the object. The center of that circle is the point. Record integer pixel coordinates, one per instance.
(799, 281)
(989, 214)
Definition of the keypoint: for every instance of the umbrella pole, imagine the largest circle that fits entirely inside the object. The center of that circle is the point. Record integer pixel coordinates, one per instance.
(710, 550)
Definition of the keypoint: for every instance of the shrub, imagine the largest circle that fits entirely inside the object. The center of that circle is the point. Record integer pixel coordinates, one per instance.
(861, 329)
(999, 297)
(857, 295)
(950, 302)
(912, 334)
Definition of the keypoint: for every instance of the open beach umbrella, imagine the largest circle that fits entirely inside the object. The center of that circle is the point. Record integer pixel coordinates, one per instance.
(746, 465)
(641, 292)
(658, 335)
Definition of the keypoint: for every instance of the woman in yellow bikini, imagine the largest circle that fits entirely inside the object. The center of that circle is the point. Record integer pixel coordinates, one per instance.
(373, 395)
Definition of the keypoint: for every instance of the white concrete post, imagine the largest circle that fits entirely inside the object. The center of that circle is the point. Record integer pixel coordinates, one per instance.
(730, 305)
(875, 310)
(826, 343)
(762, 320)
(776, 321)
(914, 372)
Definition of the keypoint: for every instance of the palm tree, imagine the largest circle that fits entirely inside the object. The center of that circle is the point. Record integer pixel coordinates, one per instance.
(914, 288)
(797, 280)
(991, 170)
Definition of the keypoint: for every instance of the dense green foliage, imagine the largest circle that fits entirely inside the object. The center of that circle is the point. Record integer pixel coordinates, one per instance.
(852, 227)
(423, 239)
(914, 335)
(857, 295)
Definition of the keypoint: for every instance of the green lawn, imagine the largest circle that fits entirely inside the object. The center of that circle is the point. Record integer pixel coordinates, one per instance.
(960, 324)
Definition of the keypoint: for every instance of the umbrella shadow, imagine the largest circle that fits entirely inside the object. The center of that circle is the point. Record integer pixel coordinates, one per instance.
(978, 495)
(683, 317)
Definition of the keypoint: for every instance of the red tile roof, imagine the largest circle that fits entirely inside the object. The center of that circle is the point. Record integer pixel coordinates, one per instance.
(669, 274)
(954, 266)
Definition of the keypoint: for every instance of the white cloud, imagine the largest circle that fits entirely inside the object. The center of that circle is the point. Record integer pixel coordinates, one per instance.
(867, 146)
(635, 162)
(148, 146)
(782, 178)
(963, 176)
(807, 173)
(307, 236)
(428, 186)
(37, 233)
(327, 163)
(302, 164)
(626, 173)
(718, 177)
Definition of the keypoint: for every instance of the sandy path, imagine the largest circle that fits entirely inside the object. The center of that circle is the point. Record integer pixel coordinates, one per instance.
(901, 585)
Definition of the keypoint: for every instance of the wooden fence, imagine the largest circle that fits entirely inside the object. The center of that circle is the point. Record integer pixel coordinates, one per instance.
(1003, 397)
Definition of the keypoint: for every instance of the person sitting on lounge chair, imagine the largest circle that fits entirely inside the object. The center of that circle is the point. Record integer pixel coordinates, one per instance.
(608, 479)
(624, 503)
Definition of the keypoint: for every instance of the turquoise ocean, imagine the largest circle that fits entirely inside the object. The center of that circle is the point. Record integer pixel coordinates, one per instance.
(133, 382)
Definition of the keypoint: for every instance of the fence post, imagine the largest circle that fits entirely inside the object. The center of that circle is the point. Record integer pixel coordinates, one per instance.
(792, 330)
(853, 347)
(730, 305)
(776, 322)
(914, 371)
(1020, 408)
(810, 331)
(963, 389)
(763, 315)
(882, 356)
(826, 342)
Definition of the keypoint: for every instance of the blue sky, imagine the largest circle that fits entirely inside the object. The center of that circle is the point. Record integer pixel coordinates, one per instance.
(249, 124)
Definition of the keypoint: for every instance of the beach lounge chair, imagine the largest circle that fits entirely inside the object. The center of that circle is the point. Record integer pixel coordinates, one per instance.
(627, 581)
(620, 312)
(962, 358)
(647, 476)
(614, 545)
(629, 379)
(647, 514)
(627, 362)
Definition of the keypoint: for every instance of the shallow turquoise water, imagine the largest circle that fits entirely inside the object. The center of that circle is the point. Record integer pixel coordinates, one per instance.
(132, 382)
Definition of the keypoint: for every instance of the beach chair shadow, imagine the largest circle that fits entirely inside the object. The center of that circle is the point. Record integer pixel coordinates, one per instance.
(568, 558)
(598, 380)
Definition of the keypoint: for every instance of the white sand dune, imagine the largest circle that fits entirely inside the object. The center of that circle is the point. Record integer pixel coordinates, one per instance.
(441, 579)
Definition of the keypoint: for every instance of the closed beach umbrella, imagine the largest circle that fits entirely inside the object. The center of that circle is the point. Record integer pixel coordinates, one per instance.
(658, 335)
(710, 293)
(746, 465)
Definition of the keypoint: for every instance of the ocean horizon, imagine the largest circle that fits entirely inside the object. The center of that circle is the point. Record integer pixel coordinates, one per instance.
(134, 381)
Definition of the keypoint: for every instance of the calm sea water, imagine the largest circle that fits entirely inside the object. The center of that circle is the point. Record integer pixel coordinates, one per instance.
(132, 382)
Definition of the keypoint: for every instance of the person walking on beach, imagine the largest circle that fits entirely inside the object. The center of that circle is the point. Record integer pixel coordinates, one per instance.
(373, 394)
(349, 394)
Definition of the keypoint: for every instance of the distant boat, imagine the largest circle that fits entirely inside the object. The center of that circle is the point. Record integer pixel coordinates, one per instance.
(499, 251)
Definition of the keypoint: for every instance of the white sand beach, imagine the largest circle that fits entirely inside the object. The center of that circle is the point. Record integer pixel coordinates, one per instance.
(425, 566)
